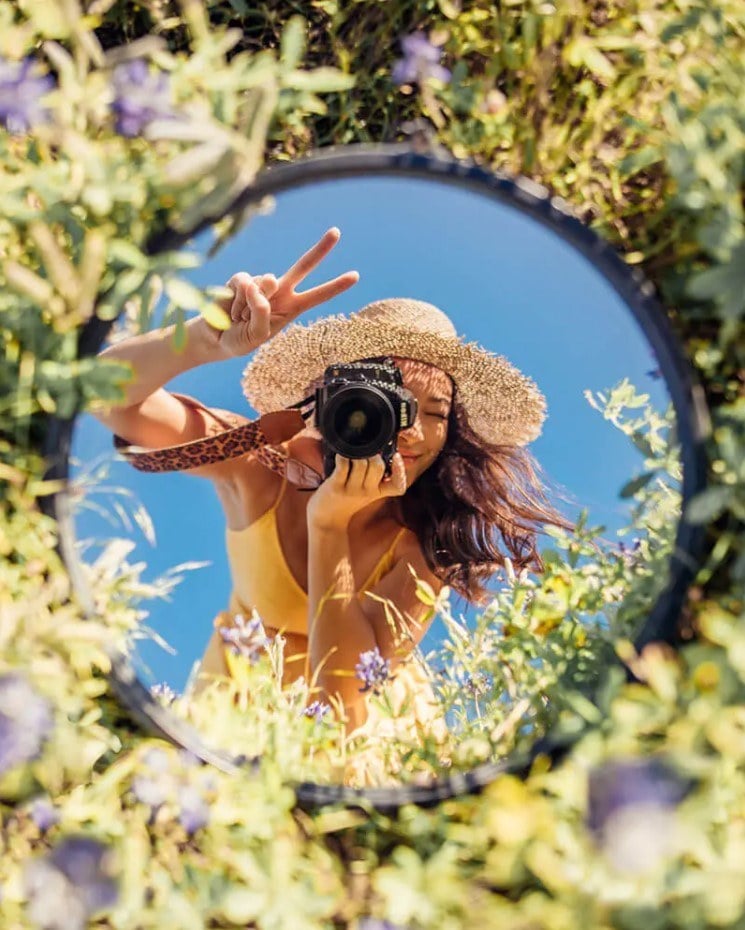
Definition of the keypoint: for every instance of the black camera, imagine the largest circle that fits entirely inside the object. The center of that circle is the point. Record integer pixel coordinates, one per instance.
(360, 409)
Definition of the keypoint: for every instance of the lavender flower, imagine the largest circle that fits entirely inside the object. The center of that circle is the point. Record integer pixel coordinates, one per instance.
(157, 760)
(476, 685)
(164, 693)
(631, 811)
(372, 670)
(421, 61)
(139, 97)
(20, 94)
(25, 721)
(154, 785)
(43, 813)
(71, 883)
(631, 555)
(317, 710)
(375, 923)
(245, 637)
(194, 813)
(151, 791)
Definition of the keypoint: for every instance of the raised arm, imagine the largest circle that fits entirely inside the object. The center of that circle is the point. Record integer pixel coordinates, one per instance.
(152, 417)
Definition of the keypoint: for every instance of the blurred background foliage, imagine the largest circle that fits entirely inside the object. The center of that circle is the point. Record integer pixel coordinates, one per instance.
(633, 113)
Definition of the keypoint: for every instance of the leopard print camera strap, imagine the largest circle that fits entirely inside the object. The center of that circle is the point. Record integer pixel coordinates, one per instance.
(231, 436)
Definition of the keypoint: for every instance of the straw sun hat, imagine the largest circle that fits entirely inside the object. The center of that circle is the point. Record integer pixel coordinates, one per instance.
(503, 405)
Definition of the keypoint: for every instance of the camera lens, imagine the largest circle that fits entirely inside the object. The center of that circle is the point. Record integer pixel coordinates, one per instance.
(358, 421)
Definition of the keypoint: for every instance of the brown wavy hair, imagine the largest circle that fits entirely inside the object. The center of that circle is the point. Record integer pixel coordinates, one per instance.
(477, 505)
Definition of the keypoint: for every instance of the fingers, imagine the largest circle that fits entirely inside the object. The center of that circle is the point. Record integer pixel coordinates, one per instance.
(323, 292)
(307, 262)
(396, 484)
(268, 284)
(249, 292)
(363, 475)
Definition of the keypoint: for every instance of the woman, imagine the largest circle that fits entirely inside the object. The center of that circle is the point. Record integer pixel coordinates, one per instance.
(335, 571)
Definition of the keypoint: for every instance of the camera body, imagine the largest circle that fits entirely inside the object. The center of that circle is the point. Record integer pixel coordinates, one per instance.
(360, 409)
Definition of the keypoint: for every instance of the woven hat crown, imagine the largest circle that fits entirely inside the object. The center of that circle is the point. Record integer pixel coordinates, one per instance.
(405, 313)
(503, 405)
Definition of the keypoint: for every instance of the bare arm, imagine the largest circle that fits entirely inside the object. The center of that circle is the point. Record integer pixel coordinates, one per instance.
(339, 627)
(149, 415)
(259, 308)
(155, 359)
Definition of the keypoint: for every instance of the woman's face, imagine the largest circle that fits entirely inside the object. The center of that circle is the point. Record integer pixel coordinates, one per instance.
(422, 442)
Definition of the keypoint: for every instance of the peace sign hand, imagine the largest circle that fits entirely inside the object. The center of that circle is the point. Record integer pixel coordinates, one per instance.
(261, 306)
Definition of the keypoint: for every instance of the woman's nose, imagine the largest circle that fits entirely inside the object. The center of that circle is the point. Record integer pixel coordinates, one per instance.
(413, 433)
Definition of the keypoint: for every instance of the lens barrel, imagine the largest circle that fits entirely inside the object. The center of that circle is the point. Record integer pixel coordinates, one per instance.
(358, 421)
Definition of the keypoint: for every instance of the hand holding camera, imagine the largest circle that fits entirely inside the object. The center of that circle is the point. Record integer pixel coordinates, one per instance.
(359, 411)
(261, 306)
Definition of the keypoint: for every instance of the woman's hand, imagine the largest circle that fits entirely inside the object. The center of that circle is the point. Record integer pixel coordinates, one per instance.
(261, 306)
(353, 485)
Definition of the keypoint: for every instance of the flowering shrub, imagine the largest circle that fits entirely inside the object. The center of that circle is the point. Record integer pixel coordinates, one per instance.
(633, 114)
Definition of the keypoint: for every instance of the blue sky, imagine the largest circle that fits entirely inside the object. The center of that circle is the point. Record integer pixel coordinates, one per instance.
(505, 281)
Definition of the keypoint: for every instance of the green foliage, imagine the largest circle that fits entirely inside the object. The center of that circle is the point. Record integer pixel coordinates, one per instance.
(633, 114)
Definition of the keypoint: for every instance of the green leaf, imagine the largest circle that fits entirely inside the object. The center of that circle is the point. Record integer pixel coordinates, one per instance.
(292, 43)
(184, 294)
(639, 160)
(215, 316)
(127, 253)
(724, 284)
(708, 505)
(636, 484)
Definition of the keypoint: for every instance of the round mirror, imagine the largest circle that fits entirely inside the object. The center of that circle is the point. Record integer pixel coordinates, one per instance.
(447, 604)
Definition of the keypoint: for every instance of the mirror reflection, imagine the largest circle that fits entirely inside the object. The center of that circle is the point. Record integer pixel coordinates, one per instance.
(472, 490)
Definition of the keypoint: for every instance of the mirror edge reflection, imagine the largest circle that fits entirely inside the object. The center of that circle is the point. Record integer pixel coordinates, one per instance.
(637, 294)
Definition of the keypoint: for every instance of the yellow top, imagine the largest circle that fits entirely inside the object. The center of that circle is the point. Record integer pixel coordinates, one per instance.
(262, 579)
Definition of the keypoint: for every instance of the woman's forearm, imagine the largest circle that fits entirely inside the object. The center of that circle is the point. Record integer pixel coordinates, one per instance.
(155, 360)
(338, 630)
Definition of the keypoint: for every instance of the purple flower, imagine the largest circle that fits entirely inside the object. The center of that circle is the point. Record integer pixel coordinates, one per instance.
(194, 813)
(71, 883)
(151, 791)
(245, 637)
(26, 721)
(375, 923)
(157, 760)
(476, 685)
(155, 785)
(317, 710)
(631, 555)
(139, 97)
(20, 94)
(631, 811)
(421, 61)
(164, 693)
(43, 813)
(372, 670)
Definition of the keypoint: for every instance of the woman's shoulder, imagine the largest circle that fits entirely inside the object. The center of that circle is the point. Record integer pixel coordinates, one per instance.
(408, 548)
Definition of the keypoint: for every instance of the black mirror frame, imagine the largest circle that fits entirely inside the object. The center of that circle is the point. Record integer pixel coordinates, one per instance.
(629, 283)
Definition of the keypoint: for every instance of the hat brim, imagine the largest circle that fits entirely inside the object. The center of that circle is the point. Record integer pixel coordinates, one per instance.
(503, 405)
